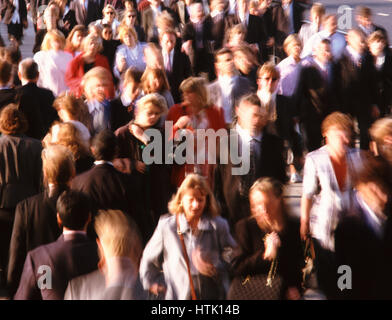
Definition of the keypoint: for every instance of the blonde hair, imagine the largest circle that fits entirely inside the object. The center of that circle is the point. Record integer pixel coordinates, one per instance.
(380, 129)
(194, 182)
(53, 35)
(236, 29)
(68, 42)
(318, 9)
(196, 85)
(341, 120)
(119, 235)
(58, 164)
(269, 69)
(292, 38)
(165, 21)
(110, 7)
(93, 38)
(152, 99)
(157, 73)
(125, 30)
(97, 72)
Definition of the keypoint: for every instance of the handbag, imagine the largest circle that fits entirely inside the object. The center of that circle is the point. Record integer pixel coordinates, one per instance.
(309, 279)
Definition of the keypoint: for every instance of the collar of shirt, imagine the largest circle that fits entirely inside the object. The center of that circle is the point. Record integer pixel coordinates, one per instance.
(376, 221)
(245, 136)
(66, 10)
(380, 60)
(94, 105)
(226, 81)
(204, 223)
(215, 13)
(354, 55)
(322, 67)
(98, 162)
(68, 232)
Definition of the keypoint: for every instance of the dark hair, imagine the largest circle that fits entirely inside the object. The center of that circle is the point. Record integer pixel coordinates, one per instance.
(104, 145)
(12, 120)
(28, 69)
(221, 52)
(74, 209)
(5, 72)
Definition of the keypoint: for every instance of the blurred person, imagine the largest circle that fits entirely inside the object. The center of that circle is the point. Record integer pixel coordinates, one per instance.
(110, 18)
(217, 16)
(307, 30)
(107, 187)
(7, 93)
(104, 114)
(265, 159)
(280, 246)
(181, 9)
(363, 16)
(67, 18)
(73, 110)
(14, 15)
(195, 112)
(52, 62)
(229, 86)
(164, 22)
(73, 43)
(235, 37)
(363, 235)
(153, 56)
(109, 44)
(87, 60)
(129, 53)
(149, 179)
(130, 19)
(95, 30)
(280, 116)
(120, 251)
(381, 59)
(35, 218)
(20, 174)
(357, 86)
(328, 180)
(67, 134)
(207, 246)
(71, 255)
(87, 11)
(177, 64)
(196, 41)
(36, 103)
(12, 55)
(246, 63)
(149, 18)
(316, 93)
(329, 31)
(155, 81)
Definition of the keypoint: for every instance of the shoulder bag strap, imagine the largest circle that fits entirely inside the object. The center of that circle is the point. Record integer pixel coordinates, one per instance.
(181, 236)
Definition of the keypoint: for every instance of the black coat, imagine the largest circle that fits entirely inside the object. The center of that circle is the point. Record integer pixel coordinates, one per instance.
(37, 105)
(35, 225)
(229, 188)
(68, 257)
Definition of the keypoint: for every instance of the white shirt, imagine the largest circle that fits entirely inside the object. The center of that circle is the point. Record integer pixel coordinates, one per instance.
(15, 17)
(226, 84)
(380, 60)
(168, 56)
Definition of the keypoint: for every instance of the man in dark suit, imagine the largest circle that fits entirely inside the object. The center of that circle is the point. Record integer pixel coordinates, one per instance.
(229, 87)
(36, 103)
(149, 16)
(176, 63)
(363, 236)
(363, 15)
(197, 41)
(48, 268)
(87, 11)
(107, 187)
(357, 85)
(261, 156)
(316, 92)
(20, 173)
(7, 94)
(217, 18)
(35, 218)
(16, 21)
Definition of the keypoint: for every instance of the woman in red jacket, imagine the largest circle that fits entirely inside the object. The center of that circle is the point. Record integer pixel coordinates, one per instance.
(194, 113)
(85, 61)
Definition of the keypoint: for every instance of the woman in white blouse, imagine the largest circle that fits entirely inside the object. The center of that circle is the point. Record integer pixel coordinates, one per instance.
(52, 61)
(130, 53)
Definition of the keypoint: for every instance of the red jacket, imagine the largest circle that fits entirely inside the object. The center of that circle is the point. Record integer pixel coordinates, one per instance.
(216, 121)
(75, 73)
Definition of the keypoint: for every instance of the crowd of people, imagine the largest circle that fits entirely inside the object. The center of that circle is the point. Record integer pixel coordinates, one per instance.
(85, 214)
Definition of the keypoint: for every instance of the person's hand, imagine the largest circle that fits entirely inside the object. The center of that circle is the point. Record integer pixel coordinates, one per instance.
(187, 47)
(304, 230)
(202, 265)
(122, 65)
(182, 122)
(292, 293)
(140, 166)
(156, 289)
(271, 244)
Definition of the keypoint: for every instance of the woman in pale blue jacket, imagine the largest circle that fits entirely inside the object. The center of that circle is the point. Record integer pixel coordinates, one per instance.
(208, 242)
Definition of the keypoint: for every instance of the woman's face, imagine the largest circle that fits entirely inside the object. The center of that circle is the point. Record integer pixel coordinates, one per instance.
(193, 203)
(109, 15)
(130, 18)
(92, 47)
(338, 139)
(264, 206)
(107, 33)
(154, 83)
(129, 40)
(192, 99)
(376, 47)
(77, 39)
(148, 117)
(56, 45)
